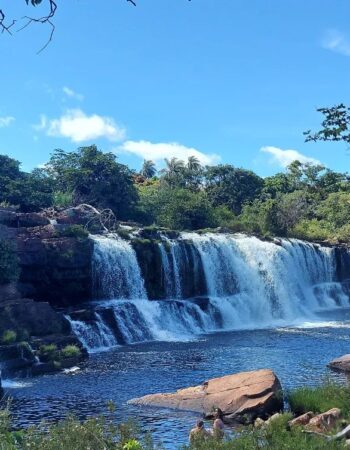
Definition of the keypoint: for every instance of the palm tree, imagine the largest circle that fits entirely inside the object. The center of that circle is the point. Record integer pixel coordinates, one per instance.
(173, 166)
(193, 164)
(148, 169)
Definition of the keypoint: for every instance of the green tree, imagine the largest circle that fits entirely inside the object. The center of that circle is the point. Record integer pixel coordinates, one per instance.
(230, 186)
(148, 169)
(334, 127)
(94, 177)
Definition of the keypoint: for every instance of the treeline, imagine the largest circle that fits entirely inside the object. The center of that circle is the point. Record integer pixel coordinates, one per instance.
(307, 201)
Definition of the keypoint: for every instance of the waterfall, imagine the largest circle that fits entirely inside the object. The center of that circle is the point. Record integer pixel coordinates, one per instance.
(248, 283)
(116, 273)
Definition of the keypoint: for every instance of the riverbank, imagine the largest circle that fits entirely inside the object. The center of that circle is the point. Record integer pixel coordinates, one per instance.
(277, 433)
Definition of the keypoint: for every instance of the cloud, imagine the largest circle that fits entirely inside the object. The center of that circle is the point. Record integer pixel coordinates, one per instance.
(159, 151)
(77, 126)
(72, 94)
(336, 42)
(285, 157)
(6, 121)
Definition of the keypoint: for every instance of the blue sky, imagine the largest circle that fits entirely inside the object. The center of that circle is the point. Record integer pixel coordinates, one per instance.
(230, 81)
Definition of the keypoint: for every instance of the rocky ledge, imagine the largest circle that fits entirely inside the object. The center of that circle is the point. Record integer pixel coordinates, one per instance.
(341, 364)
(242, 397)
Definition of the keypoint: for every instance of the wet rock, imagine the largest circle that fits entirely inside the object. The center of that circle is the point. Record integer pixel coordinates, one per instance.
(302, 420)
(324, 422)
(341, 364)
(242, 397)
(16, 356)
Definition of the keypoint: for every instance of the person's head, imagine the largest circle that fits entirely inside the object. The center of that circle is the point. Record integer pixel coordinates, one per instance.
(200, 424)
(218, 414)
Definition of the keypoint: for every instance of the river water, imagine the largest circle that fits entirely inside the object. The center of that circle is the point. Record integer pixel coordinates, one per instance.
(298, 355)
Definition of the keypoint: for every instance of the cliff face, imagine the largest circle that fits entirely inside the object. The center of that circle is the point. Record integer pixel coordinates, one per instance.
(55, 267)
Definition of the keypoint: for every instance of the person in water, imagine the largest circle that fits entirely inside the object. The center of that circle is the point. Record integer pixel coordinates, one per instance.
(218, 425)
(198, 433)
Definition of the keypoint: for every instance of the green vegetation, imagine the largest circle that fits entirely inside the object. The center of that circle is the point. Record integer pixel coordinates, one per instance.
(77, 231)
(8, 337)
(101, 433)
(48, 352)
(307, 201)
(9, 268)
(320, 399)
(70, 351)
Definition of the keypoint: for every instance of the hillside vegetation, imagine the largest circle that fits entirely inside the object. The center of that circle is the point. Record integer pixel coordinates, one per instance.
(306, 201)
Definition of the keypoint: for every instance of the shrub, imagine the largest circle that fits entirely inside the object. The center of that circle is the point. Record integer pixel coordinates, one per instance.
(8, 337)
(77, 231)
(320, 399)
(62, 199)
(315, 230)
(9, 267)
(48, 352)
(70, 351)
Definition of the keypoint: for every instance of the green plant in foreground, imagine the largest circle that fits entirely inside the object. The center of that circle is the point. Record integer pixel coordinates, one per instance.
(8, 337)
(320, 399)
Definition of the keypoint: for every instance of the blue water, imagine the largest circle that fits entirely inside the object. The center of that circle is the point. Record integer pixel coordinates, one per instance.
(298, 356)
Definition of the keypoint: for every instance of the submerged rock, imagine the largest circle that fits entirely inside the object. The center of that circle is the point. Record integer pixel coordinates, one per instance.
(242, 397)
(342, 364)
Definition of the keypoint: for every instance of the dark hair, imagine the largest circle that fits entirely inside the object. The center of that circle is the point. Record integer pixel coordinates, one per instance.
(219, 413)
(200, 423)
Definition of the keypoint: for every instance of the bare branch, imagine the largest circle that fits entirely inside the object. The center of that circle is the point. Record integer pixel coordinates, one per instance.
(3, 27)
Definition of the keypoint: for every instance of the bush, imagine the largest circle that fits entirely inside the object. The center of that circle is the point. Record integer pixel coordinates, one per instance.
(9, 267)
(62, 199)
(314, 230)
(9, 337)
(320, 399)
(48, 352)
(77, 231)
(70, 351)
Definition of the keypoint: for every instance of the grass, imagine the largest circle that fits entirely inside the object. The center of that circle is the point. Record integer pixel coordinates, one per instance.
(8, 337)
(70, 351)
(320, 399)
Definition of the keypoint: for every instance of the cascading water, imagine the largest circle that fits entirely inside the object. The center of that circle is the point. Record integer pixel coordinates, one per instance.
(248, 283)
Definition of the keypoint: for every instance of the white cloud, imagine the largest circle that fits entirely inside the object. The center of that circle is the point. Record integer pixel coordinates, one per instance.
(159, 151)
(336, 42)
(77, 126)
(6, 121)
(285, 157)
(72, 94)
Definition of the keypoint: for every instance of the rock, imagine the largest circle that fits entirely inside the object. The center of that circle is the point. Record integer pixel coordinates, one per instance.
(242, 397)
(28, 220)
(16, 357)
(347, 443)
(302, 420)
(324, 422)
(260, 423)
(341, 364)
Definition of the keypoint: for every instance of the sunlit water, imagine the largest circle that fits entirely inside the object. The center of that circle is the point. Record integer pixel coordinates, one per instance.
(298, 355)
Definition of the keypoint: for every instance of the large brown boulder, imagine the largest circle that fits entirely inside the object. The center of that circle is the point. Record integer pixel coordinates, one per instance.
(342, 364)
(242, 397)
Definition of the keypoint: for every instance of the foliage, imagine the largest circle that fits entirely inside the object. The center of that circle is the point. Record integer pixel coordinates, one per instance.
(48, 352)
(77, 231)
(95, 178)
(148, 169)
(70, 351)
(335, 125)
(232, 187)
(62, 199)
(8, 337)
(320, 399)
(9, 267)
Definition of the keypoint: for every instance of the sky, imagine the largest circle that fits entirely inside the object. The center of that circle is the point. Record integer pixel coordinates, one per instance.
(229, 81)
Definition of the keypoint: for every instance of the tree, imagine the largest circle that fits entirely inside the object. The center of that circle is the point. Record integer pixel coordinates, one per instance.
(173, 172)
(94, 177)
(148, 169)
(227, 185)
(335, 126)
(193, 164)
(29, 191)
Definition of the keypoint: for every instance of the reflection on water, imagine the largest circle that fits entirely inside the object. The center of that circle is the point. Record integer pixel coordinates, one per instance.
(298, 355)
